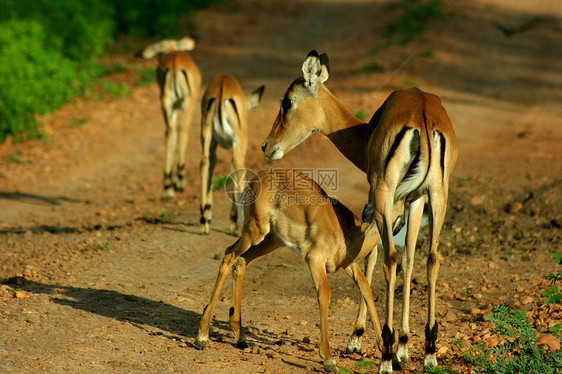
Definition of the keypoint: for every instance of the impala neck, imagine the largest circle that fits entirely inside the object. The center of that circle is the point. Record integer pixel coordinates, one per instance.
(345, 131)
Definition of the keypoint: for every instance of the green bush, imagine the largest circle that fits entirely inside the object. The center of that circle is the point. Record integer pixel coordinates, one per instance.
(35, 77)
(78, 29)
(151, 17)
(47, 49)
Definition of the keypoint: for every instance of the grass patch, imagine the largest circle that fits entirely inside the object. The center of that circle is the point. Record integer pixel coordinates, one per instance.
(114, 90)
(102, 246)
(409, 83)
(146, 76)
(440, 370)
(552, 294)
(362, 115)
(15, 158)
(427, 53)
(219, 183)
(372, 67)
(517, 352)
(165, 215)
(113, 69)
(413, 22)
(77, 121)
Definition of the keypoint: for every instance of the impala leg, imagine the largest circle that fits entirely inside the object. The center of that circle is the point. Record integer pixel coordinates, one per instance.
(238, 156)
(231, 256)
(183, 139)
(354, 342)
(268, 245)
(437, 208)
(170, 116)
(384, 224)
(367, 297)
(235, 312)
(207, 168)
(318, 272)
(414, 221)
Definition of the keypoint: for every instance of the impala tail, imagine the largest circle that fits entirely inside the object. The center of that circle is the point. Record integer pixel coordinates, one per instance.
(168, 46)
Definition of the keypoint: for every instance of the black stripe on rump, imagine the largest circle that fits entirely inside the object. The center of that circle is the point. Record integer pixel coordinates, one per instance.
(415, 149)
(395, 145)
(442, 147)
(188, 88)
(211, 101)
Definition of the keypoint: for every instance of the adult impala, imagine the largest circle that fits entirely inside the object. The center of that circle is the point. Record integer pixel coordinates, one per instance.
(408, 150)
(224, 122)
(180, 81)
(285, 207)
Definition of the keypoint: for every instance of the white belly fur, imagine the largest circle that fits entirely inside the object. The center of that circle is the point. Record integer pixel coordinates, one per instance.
(290, 245)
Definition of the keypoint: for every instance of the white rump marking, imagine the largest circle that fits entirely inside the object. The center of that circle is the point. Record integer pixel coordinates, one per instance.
(223, 132)
(414, 178)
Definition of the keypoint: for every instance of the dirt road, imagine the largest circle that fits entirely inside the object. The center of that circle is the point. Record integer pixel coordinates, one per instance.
(99, 275)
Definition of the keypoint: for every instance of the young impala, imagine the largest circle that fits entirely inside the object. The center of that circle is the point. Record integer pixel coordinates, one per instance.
(180, 81)
(323, 231)
(224, 122)
(408, 150)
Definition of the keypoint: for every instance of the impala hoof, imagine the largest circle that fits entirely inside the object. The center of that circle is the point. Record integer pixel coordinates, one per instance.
(201, 343)
(430, 360)
(402, 354)
(385, 367)
(167, 194)
(330, 365)
(242, 345)
(353, 345)
(179, 186)
(233, 229)
(205, 229)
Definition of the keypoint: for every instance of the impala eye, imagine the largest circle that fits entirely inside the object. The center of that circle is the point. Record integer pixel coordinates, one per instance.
(286, 104)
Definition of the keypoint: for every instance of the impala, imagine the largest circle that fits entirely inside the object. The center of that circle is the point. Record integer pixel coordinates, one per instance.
(180, 81)
(224, 122)
(323, 231)
(407, 150)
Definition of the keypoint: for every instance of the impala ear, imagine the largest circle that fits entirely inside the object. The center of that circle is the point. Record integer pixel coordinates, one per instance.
(255, 97)
(311, 69)
(325, 63)
(315, 69)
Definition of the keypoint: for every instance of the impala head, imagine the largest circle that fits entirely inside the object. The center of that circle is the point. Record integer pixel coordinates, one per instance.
(301, 112)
